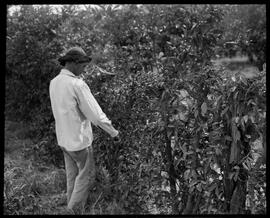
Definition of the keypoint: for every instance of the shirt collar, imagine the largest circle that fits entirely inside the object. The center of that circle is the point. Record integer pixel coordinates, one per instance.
(67, 72)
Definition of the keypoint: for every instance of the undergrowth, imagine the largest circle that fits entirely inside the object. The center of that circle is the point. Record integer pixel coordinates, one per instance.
(33, 187)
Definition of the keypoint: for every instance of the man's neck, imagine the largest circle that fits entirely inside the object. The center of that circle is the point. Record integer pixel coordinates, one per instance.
(68, 68)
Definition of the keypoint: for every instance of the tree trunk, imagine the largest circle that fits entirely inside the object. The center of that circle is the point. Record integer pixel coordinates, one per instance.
(197, 203)
(189, 205)
(237, 203)
(171, 170)
(172, 177)
(228, 184)
(235, 191)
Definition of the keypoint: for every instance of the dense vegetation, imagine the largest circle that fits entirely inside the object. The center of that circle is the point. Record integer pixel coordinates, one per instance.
(187, 91)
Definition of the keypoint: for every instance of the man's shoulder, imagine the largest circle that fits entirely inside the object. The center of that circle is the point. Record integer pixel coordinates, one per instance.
(54, 79)
(71, 80)
(80, 83)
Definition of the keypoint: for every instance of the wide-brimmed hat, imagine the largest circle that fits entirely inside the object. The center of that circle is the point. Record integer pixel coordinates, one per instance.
(75, 54)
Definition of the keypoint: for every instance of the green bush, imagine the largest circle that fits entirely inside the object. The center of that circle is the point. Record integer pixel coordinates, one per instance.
(156, 52)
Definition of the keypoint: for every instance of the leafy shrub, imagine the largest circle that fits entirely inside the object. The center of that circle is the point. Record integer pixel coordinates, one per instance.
(155, 52)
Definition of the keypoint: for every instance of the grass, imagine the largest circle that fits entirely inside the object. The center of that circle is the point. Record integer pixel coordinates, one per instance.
(34, 188)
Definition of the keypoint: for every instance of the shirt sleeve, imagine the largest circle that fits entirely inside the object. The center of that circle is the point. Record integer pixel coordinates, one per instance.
(91, 109)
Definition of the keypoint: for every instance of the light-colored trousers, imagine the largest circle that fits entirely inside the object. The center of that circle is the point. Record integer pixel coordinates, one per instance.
(80, 173)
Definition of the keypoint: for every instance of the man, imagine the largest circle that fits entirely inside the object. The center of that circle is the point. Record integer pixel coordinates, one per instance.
(74, 109)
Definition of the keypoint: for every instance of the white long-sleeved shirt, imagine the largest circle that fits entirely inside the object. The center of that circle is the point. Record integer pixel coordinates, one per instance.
(74, 109)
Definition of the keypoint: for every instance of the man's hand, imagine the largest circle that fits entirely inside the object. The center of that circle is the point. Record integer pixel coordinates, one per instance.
(116, 139)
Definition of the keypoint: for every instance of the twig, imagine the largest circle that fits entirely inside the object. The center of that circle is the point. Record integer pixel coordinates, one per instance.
(97, 200)
(103, 70)
(245, 157)
(115, 184)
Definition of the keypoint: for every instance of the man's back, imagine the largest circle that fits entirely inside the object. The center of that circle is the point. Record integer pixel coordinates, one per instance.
(73, 131)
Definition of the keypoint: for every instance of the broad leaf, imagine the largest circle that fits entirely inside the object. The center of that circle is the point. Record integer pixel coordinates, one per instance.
(204, 108)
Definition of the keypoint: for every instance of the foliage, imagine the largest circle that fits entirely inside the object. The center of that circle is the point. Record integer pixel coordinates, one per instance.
(187, 123)
(245, 32)
(24, 185)
(34, 187)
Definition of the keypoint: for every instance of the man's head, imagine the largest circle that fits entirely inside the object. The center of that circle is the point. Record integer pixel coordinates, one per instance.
(75, 60)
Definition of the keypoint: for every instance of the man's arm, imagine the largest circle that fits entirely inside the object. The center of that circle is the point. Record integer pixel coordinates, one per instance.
(91, 109)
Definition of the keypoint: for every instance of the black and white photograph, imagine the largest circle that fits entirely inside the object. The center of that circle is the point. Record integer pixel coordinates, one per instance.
(135, 109)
